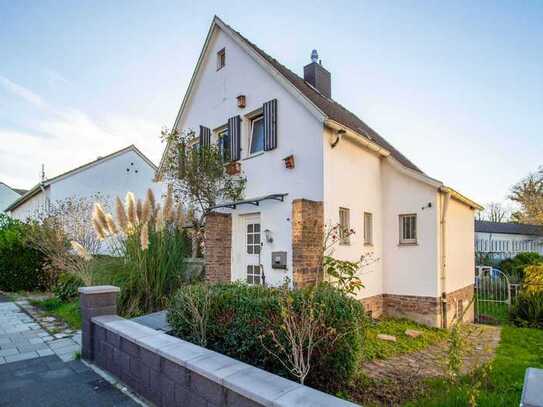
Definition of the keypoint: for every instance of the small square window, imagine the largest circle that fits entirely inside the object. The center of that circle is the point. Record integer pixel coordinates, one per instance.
(257, 135)
(408, 229)
(344, 226)
(368, 228)
(221, 58)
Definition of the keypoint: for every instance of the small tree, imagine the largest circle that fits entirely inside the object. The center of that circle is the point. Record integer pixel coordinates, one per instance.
(528, 193)
(198, 178)
(494, 212)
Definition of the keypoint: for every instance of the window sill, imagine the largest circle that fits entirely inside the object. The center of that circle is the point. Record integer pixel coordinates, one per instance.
(408, 244)
(253, 156)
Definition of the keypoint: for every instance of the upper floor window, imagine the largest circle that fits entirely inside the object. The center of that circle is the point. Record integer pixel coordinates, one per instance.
(408, 229)
(223, 142)
(344, 226)
(368, 228)
(221, 58)
(257, 135)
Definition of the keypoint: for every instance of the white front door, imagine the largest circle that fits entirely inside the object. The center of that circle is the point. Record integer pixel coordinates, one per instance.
(252, 249)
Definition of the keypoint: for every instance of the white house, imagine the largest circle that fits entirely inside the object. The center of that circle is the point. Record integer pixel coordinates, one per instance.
(110, 176)
(310, 162)
(8, 195)
(505, 240)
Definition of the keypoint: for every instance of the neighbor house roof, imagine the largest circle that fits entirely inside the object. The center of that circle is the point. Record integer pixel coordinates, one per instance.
(19, 191)
(36, 189)
(508, 228)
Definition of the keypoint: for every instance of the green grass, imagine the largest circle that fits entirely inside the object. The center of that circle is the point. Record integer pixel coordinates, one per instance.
(519, 349)
(375, 348)
(67, 311)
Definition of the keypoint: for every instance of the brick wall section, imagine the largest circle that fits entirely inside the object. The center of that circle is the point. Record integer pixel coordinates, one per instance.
(425, 310)
(464, 296)
(218, 247)
(307, 238)
(374, 306)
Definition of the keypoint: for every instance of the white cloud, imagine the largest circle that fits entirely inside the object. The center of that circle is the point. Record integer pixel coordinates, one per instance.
(21, 92)
(68, 138)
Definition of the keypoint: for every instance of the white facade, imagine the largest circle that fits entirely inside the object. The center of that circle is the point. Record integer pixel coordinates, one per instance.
(353, 173)
(7, 196)
(125, 171)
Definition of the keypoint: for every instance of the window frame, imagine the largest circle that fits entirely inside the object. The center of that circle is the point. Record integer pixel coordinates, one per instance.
(253, 274)
(220, 133)
(412, 240)
(344, 231)
(221, 59)
(253, 120)
(368, 231)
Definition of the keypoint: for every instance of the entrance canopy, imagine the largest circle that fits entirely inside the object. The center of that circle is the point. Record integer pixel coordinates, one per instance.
(253, 201)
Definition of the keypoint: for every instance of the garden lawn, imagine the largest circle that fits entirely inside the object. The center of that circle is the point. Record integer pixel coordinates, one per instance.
(519, 349)
(67, 311)
(375, 348)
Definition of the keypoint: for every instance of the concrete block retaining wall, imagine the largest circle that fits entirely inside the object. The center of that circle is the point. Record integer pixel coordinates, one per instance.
(171, 372)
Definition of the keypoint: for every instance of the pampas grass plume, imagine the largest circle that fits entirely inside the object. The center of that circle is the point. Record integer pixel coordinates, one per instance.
(80, 250)
(121, 214)
(131, 208)
(144, 237)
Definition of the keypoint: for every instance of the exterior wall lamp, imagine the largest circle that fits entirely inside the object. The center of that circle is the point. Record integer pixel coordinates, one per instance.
(268, 235)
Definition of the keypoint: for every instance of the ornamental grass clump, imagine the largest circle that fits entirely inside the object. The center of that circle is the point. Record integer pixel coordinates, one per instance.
(151, 243)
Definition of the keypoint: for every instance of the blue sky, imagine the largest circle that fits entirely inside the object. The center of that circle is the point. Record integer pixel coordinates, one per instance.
(456, 86)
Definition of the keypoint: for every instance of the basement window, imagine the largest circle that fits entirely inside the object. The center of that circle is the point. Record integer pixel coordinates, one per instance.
(408, 229)
(221, 59)
(368, 228)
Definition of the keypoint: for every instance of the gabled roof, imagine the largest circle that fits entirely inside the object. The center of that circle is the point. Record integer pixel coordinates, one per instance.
(508, 228)
(36, 189)
(17, 190)
(329, 108)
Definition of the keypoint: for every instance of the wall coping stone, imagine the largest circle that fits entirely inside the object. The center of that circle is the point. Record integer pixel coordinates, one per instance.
(251, 382)
(99, 289)
(532, 391)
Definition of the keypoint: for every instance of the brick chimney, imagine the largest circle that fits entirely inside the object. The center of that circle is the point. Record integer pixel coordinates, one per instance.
(317, 76)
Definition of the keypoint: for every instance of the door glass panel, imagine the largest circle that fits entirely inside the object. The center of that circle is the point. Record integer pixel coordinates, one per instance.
(253, 238)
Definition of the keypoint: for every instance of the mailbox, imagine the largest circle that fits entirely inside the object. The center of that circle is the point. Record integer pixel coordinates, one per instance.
(279, 260)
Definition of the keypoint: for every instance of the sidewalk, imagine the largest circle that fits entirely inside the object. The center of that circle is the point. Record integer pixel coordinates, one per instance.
(21, 337)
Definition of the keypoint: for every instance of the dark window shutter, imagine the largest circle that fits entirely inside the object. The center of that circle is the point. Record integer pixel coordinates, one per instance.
(205, 136)
(234, 133)
(270, 125)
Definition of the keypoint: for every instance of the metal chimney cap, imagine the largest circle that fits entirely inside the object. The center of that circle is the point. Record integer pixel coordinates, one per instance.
(314, 56)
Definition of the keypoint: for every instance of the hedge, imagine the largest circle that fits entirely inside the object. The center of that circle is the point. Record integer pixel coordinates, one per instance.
(240, 317)
(21, 266)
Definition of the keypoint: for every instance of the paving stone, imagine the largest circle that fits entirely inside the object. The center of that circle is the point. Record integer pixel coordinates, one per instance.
(385, 337)
(32, 347)
(413, 333)
(45, 352)
(21, 356)
(9, 352)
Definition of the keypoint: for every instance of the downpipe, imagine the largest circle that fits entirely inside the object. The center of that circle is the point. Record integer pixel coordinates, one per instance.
(446, 196)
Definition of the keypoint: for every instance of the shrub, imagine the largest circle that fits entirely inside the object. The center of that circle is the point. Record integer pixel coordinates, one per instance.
(533, 279)
(514, 267)
(21, 266)
(527, 310)
(241, 316)
(66, 287)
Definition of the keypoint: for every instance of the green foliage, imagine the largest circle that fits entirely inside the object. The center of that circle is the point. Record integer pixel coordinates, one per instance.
(527, 310)
(378, 349)
(240, 317)
(514, 268)
(500, 385)
(21, 266)
(344, 274)
(66, 287)
(533, 279)
(69, 312)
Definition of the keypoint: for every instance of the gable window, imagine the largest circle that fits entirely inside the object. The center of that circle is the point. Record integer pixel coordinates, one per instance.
(344, 226)
(221, 59)
(368, 228)
(257, 135)
(408, 229)
(223, 143)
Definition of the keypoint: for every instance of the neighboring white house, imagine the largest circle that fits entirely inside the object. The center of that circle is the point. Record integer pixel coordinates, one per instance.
(506, 240)
(8, 195)
(309, 162)
(110, 176)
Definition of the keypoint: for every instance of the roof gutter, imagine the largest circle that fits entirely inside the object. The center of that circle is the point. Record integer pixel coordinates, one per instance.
(461, 198)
